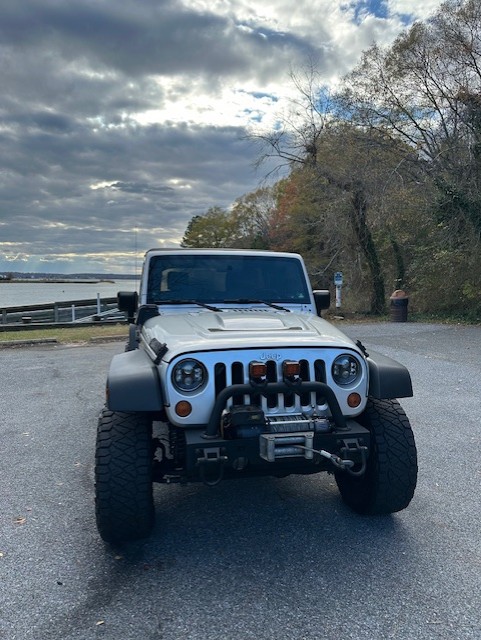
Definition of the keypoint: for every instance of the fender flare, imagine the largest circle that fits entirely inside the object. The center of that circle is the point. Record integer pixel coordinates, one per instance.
(133, 383)
(388, 378)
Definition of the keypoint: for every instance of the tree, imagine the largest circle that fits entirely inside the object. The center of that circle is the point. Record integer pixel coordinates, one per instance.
(251, 214)
(347, 164)
(216, 228)
(424, 90)
(246, 226)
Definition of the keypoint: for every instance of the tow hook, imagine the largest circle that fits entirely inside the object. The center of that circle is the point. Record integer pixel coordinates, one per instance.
(211, 462)
(353, 448)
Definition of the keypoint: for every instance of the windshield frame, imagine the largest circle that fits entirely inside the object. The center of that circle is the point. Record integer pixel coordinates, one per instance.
(214, 278)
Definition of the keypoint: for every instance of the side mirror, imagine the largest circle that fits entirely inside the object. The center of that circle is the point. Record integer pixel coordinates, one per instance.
(128, 301)
(322, 298)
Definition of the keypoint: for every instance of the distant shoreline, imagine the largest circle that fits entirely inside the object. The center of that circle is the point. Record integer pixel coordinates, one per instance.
(53, 281)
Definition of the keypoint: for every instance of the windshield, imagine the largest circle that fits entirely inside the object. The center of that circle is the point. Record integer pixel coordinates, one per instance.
(232, 278)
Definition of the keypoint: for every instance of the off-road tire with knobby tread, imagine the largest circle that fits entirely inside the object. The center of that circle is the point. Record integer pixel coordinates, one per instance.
(390, 479)
(123, 476)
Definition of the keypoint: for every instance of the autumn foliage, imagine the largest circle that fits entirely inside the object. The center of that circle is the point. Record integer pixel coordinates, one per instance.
(384, 179)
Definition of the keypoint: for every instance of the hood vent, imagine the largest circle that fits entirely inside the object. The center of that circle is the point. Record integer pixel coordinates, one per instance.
(249, 323)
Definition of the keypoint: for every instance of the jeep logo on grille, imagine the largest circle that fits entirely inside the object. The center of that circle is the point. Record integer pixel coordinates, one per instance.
(270, 356)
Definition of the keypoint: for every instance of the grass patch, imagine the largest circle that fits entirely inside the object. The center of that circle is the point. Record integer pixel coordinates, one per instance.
(67, 335)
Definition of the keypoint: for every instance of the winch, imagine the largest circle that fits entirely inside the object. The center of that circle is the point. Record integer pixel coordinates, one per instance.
(250, 421)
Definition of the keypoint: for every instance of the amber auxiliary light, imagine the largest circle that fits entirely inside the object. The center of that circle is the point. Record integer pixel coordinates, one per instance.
(291, 369)
(257, 370)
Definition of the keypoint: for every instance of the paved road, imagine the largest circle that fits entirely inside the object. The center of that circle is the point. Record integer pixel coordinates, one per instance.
(257, 559)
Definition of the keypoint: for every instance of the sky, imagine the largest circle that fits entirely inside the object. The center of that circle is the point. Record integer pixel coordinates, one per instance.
(120, 120)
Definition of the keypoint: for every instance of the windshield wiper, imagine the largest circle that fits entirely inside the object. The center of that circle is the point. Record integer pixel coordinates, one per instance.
(255, 301)
(200, 304)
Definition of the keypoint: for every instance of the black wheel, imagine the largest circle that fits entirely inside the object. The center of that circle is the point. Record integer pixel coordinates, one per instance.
(391, 474)
(124, 504)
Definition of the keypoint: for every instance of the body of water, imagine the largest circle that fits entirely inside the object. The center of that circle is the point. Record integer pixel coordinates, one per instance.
(15, 294)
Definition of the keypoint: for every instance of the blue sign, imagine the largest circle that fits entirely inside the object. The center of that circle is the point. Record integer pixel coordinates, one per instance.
(338, 278)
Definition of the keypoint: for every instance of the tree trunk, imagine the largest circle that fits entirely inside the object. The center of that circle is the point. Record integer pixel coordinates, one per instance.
(366, 242)
(400, 266)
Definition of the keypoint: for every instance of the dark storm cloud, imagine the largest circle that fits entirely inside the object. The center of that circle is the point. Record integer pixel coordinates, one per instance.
(63, 211)
(143, 37)
(136, 187)
(41, 120)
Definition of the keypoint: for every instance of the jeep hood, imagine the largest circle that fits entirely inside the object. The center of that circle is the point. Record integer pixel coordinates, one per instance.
(241, 328)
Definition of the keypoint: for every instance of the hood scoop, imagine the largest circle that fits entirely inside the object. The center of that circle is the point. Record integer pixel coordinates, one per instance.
(250, 323)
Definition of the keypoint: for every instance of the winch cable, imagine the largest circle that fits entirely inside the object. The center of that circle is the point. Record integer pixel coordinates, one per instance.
(340, 463)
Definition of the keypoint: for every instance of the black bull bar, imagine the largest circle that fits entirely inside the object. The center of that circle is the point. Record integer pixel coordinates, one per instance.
(272, 388)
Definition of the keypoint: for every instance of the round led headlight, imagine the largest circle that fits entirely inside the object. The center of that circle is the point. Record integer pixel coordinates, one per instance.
(346, 370)
(188, 375)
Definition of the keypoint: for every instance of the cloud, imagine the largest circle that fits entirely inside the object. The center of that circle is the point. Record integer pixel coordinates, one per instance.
(413, 9)
(123, 116)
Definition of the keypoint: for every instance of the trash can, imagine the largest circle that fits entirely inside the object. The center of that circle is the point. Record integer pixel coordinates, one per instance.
(398, 311)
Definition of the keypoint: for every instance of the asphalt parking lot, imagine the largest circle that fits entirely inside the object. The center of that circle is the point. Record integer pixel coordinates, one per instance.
(257, 559)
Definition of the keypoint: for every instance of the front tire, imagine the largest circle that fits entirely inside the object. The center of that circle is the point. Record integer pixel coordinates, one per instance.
(124, 503)
(390, 479)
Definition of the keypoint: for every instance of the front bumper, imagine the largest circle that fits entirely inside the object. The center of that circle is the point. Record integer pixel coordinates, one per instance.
(271, 454)
(263, 449)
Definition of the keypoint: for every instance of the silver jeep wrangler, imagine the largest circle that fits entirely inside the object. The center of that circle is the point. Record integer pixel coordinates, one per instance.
(230, 371)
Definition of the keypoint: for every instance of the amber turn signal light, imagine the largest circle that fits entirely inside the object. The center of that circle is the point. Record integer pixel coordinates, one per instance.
(183, 409)
(353, 400)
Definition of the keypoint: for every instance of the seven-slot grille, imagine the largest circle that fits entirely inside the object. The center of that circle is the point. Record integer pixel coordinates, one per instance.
(289, 402)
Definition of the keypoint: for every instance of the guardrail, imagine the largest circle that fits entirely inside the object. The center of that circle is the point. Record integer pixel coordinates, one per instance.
(66, 312)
